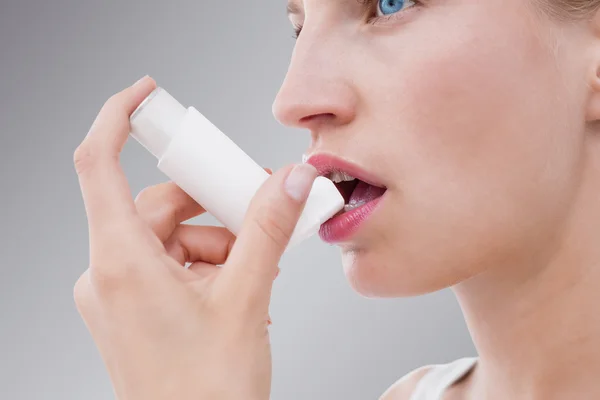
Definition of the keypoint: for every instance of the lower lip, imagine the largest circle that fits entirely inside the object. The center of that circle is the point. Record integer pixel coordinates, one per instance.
(342, 227)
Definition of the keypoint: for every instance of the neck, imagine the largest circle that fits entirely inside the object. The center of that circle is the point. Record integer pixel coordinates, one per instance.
(536, 325)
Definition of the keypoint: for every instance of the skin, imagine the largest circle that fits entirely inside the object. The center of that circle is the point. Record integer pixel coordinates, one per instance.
(164, 331)
(481, 120)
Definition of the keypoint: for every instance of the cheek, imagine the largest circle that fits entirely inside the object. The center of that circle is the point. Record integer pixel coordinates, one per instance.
(487, 135)
(480, 95)
(482, 156)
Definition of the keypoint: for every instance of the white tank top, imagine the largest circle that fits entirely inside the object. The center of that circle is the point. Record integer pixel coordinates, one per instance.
(440, 377)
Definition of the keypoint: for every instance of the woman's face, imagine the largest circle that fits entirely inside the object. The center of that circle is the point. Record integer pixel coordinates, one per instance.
(470, 113)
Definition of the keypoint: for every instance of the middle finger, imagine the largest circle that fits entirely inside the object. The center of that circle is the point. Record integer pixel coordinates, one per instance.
(164, 206)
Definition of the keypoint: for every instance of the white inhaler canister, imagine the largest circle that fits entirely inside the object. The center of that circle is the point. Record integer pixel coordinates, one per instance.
(212, 169)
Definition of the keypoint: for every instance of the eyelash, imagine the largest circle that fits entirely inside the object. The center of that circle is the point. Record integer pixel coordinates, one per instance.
(369, 4)
(297, 31)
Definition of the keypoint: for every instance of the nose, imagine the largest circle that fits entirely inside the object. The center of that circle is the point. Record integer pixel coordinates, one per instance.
(317, 89)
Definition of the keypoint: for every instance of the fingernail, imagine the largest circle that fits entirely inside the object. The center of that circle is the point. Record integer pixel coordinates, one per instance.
(140, 80)
(300, 181)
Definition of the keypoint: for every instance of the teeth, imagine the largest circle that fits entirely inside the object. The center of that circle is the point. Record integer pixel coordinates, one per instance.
(354, 204)
(338, 176)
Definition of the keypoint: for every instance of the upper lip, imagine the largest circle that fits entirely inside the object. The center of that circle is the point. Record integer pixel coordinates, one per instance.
(327, 163)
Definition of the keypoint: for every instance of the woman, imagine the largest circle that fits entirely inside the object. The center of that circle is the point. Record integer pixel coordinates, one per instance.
(472, 129)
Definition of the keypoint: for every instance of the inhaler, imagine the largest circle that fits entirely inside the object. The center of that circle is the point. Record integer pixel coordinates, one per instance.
(212, 169)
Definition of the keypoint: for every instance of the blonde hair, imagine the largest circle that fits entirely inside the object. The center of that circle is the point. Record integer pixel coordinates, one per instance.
(572, 8)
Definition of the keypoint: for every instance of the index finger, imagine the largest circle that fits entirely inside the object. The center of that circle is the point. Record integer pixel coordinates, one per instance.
(104, 187)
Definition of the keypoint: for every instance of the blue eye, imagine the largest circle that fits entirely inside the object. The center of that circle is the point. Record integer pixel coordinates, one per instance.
(387, 7)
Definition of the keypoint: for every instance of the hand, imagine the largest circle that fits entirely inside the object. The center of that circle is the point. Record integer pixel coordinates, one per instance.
(164, 331)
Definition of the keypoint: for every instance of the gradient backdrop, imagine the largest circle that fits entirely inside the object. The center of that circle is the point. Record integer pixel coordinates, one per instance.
(59, 61)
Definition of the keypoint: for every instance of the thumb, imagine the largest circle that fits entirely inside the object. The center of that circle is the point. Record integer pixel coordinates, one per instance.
(268, 226)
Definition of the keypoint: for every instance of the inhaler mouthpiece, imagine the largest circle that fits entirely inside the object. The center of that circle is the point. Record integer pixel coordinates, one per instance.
(212, 169)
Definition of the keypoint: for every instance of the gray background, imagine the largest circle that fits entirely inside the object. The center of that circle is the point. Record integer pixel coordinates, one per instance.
(59, 61)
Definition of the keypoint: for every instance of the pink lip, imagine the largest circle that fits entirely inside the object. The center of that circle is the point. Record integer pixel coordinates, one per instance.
(343, 226)
(325, 163)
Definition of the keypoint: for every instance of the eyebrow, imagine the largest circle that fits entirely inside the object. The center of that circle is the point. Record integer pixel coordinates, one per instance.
(293, 8)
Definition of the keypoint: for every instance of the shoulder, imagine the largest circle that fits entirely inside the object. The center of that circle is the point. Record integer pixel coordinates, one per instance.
(404, 388)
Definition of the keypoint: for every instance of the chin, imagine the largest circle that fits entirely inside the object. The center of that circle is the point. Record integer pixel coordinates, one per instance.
(372, 274)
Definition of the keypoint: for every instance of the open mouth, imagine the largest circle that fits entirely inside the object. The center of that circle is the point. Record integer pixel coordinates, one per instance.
(356, 192)
(362, 192)
(358, 187)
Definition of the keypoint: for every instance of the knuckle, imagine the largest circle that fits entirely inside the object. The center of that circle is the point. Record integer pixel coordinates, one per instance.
(112, 108)
(81, 291)
(165, 201)
(88, 156)
(145, 195)
(158, 198)
(83, 158)
(114, 101)
(114, 262)
(274, 223)
(109, 278)
(154, 194)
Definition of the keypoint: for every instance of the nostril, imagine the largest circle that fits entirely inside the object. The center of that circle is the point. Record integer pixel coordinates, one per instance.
(311, 119)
